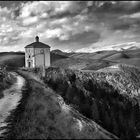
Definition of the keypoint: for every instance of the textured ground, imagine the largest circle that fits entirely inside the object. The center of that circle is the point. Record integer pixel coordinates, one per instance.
(45, 115)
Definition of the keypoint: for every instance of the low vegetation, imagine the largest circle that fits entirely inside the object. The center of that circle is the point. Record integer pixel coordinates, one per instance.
(42, 114)
(109, 98)
(86, 61)
(12, 60)
(98, 60)
(6, 80)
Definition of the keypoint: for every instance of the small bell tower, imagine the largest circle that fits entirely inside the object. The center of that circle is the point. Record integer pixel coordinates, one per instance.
(37, 39)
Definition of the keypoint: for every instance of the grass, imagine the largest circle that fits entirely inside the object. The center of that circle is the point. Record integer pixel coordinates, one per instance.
(42, 114)
(12, 60)
(86, 61)
(96, 94)
(110, 99)
(6, 80)
(98, 60)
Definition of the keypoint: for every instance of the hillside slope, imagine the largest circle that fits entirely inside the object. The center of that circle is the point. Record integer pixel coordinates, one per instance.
(43, 114)
(110, 97)
(85, 61)
(98, 60)
(12, 60)
(6, 80)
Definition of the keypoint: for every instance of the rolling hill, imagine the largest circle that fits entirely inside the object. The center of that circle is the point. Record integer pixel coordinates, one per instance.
(12, 59)
(108, 96)
(101, 59)
(101, 86)
(81, 61)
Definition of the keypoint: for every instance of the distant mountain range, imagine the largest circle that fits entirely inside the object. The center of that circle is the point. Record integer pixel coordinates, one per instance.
(59, 52)
(117, 47)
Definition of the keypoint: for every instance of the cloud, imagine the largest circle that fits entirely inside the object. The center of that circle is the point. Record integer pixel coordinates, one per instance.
(40, 15)
(5, 14)
(30, 21)
(134, 15)
(121, 26)
(27, 33)
(117, 47)
(49, 8)
(70, 24)
(37, 13)
(117, 7)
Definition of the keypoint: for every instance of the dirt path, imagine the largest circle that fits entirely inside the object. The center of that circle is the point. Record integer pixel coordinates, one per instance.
(46, 115)
(10, 100)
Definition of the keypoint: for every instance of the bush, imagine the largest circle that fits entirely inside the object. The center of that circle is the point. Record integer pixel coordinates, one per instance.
(96, 98)
(6, 80)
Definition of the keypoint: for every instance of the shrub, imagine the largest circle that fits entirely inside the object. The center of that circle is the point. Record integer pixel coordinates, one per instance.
(6, 80)
(96, 98)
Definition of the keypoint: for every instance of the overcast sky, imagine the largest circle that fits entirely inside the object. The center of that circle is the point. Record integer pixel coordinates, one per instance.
(69, 25)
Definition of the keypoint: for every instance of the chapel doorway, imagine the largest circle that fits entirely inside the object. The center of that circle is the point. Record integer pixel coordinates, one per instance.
(29, 64)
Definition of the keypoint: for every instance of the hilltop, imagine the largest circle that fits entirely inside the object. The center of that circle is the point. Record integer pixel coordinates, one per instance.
(100, 59)
(81, 61)
(12, 59)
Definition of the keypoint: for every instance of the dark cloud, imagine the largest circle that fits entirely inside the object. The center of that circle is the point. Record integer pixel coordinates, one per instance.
(16, 12)
(81, 23)
(9, 4)
(62, 15)
(76, 41)
(123, 26)
(85, 37)
(118, 7)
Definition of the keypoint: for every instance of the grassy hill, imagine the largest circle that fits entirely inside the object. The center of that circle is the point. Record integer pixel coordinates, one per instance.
(12, 59)
(6, 80)
(109, 96)
(101, 59)
(85, 61)
(55, 57)
(42, 114)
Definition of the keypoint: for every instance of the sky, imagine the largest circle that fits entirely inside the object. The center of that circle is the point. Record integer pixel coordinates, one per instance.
(81, 26)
